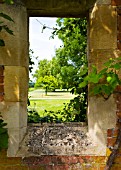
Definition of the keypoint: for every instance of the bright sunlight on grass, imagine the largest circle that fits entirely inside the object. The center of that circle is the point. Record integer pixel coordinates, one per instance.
(47, 104)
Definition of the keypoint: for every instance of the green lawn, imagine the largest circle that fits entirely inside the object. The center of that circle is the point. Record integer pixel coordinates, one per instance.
(47, 104)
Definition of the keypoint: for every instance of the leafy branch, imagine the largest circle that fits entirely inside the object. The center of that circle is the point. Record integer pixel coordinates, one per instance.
(105, 81)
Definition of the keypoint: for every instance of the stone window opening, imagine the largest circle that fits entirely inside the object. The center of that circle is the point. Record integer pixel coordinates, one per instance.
(14, 58)
(40, 92)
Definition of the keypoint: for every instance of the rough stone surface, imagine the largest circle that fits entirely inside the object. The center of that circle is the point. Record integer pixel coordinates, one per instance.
(98, 57)
(102, 36)
(102, 45)
(103, 2)
(56, 139)
(15, 52)
(16, 83)
(103, 28)
(55, 8)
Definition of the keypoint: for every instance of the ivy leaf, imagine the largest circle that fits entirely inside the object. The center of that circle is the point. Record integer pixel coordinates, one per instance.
(108, 63)
(8, 30)
(2, 130)
(4, 141)
(2, 43)
(117, 66)
(6, 16)
(83, 84)
(94, 69)
(94, 78)
(103, 71)
(106, 89)
(96, 90)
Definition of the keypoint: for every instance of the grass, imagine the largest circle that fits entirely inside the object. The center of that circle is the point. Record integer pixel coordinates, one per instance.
(52, 102)
(31, 89)
(47, 104)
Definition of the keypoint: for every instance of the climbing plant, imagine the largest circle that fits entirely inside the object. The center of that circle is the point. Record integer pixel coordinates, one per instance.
(105, 83)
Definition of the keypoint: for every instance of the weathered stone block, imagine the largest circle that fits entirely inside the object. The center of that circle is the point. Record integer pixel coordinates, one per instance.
(99, 57)
(102, 113)
(15, 51)
(105, 2)
(16, 83)
(103, 27)
(11, 114)
(101, 116)
(15, 137)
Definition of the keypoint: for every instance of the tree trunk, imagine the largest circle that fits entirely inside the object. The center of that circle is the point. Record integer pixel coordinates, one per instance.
(117, 144)
(46, 91)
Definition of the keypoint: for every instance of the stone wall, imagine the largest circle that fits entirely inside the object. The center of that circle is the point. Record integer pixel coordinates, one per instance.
(103, 43)
(1, 83)
(14, 76)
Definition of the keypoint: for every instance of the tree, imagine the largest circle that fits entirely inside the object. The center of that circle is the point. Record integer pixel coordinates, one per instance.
(44, 76)
(47, 82)
(71, 59)
(73, 33)
(44, 69)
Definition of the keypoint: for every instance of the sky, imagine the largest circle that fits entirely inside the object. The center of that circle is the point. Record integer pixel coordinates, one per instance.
(40, 42)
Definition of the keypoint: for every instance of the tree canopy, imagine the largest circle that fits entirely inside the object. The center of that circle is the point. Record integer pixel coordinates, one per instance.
(67, 65)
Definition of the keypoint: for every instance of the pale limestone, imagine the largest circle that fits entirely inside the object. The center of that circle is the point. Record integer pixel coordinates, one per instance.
(99, 56)
(15, 51)
(15, 137)
(16, 83)
(101, 116)
(104, 2)
(103, 28)
(15, 114)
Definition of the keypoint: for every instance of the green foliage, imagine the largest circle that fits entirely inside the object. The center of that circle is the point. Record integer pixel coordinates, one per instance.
(47, 82)
(33, 116)
(71, 60)
(44, 69)
(66, 66)
(8, 1)
(105, 81)
(74, 111)
(31, 62)
(3, 134)
(71, 56)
